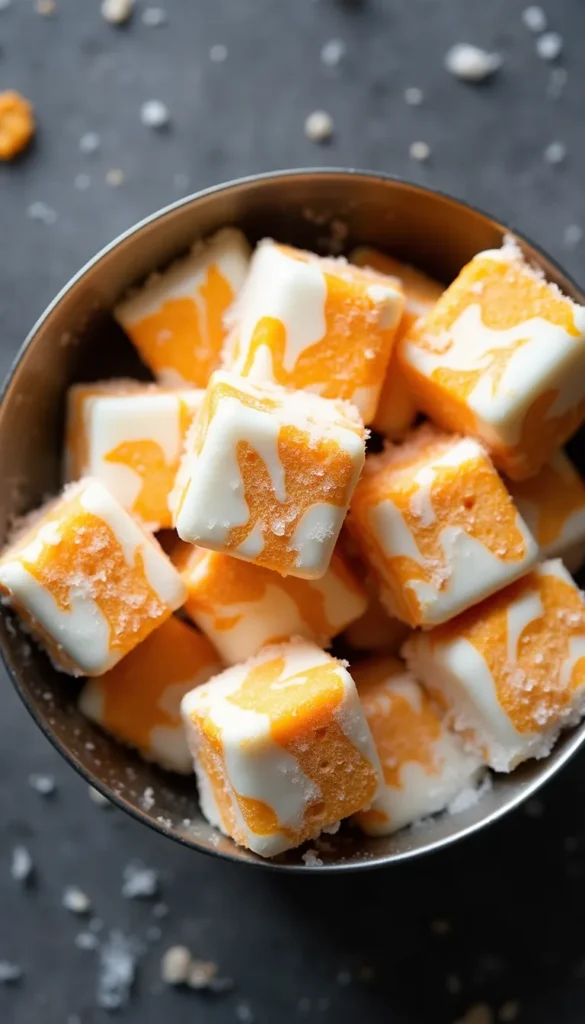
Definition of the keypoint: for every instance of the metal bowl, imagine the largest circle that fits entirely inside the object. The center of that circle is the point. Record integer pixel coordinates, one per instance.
(77, 339)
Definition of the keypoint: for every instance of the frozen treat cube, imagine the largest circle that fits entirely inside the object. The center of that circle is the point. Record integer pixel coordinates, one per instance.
(510, 673)
(268, 474)
(397, 408)
(139, 700)
(424, 764)
(553, 506)
(501, 356)
(438, 527)
(176, 320)
(281, 747)
(131, 437)
(317, 324)
(242, 607)
(88, 581)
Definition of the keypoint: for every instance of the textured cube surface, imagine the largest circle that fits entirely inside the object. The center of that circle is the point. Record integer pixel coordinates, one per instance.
(268, 475)
(131, 438)
(242, 607)
(438, 527)
(502, 357)
(397, 408)
(139, 700)
(281, 748)
(319, 324)
(424, 764)
(553, 506)
(510, 672)
(88, 581)
(176, 320)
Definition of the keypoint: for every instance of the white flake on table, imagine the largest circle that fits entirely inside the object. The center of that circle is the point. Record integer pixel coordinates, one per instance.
(549, 46)
(319, 126)
(139, 881)
(43, 784)
(118, 959)
(21, 865)
(75, 900)
(470, 63)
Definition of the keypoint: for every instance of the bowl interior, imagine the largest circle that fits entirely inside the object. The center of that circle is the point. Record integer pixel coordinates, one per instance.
(78, 340)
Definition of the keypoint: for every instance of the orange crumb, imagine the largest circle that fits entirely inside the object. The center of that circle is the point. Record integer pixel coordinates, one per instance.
(17, 124)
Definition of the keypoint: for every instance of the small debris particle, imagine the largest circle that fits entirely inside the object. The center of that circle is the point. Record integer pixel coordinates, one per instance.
(471, 64)
(549, 46)
(21, 867)
(440, 927)
(160, 910)
(115, 177)
(413, 96)
(46, 215)
(175, 965)
(244, 1013)
(82, 182)
(312, 859)
(419, 151)
(43, 784)
(557, 81)
(333, 52)
(555, 153)
(154, 17)
(139, 882)
(155, 114)
(89, 143)
(17, 124)
(343, 978)
(535, 19)
(147, 798)
(86, 941)
(46, 8)
(9, 973)
(201, 973)
(117, 971)
(509, 1011)
(534, 808)
(453, 984)
(218, 53)
(478, 1014)
(319, 126)
(75, 900)
(117, 12)
(98, 798)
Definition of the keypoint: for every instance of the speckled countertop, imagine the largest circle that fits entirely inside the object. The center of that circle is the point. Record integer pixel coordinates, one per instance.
(495, 929)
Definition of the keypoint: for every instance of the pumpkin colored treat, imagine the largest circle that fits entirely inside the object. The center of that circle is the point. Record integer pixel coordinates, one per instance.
(501, 356)
(317, 324)
(397, 408)
(510, 672)
(177, 319)
(281, 747)
(17, 124)
(130, 436)
(424, 764)
(139, 700)
(437, 527)
(88, 581)
(268, 475)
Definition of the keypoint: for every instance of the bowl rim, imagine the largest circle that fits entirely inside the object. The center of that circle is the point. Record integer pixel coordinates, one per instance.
(548, 771)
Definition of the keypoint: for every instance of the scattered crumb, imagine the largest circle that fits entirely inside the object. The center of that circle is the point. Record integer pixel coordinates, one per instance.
(139, 882)
(17, 124)
(244, 1013)
(509, 1011)
(535, 19)
(549, 46)
(471, 64)
(333, 52)
(117, 12)
(200, 974)
(115, 177)
(43, 784)
(118, 959)
(534, 808)
(155, 114)
(218, 53)
(557, 81)
(46, 8)
(86, 941)
(440, 926)
(480, 1013)
(21, 866)
(312, 859)
(319, 126)
(453, 984)
(555, 153)
(154, 17)
(75, 900)
(147, 799)
(413, 96)
(89, 143)
(98, 798)
(9, 973)
(160, 910)
(175, 965)
(82, 182)
(344, 978)
(419, 151)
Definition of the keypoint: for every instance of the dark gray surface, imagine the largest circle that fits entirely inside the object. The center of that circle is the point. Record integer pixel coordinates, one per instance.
(513, 897)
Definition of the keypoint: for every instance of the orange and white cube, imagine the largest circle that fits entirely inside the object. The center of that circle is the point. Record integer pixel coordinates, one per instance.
(130, 436)
(397, 408)
(424, 765)
(176, 320)
(139, 700)
(281, 747)
(242, 607)
(317, 324)
(510, 673)
(552, 504)
(268, 475)
(438, 528)
(88, 581)
(501, 356)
